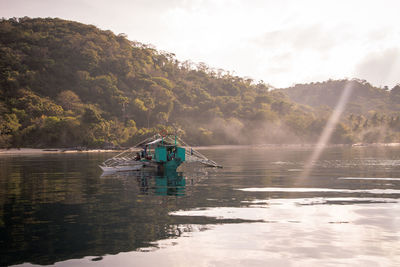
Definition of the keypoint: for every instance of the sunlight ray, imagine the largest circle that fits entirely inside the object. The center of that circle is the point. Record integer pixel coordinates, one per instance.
(328, 130)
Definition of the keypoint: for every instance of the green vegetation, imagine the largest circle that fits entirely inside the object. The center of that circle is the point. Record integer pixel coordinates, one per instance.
(67, 84)
(371, 115)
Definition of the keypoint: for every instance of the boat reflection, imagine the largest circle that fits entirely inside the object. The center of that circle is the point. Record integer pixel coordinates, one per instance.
(168, 183)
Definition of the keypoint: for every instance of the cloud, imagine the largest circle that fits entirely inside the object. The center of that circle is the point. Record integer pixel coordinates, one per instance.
(312, 37)
(380, 68)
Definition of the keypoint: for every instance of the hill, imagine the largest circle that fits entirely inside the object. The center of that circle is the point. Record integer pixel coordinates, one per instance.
(65, 84)
(370, 115)
(363, 99)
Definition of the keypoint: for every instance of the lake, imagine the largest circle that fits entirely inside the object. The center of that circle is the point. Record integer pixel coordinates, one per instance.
(261, 209)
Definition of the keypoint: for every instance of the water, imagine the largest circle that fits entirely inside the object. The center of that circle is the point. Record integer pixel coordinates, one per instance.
(259, 210)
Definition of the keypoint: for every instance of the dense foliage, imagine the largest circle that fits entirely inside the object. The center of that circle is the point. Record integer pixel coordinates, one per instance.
(67, 84)
(371, 114)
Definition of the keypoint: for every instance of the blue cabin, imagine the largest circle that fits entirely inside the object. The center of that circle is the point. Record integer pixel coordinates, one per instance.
(167, 155)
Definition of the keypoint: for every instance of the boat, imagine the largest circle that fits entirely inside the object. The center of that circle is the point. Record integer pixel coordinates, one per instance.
(161, 152)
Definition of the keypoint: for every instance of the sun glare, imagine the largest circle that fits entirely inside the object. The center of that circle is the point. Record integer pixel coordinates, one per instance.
(328, 130)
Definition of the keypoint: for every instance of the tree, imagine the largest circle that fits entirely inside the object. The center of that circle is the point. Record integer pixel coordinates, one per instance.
(90, 115)
(69, 100)
(9, 126)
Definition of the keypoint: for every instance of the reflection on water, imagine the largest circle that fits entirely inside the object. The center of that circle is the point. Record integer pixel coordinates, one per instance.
(297, 189)
(369, 178)
(171, 183)
(59, 208)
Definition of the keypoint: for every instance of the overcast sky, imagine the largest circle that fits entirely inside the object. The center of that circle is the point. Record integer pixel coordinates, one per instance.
(281, 42)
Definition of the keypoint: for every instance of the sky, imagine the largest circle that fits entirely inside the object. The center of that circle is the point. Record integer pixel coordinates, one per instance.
(281, 42)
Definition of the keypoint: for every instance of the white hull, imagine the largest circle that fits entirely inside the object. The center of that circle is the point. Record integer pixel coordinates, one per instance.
(120, 168)
(128, 167)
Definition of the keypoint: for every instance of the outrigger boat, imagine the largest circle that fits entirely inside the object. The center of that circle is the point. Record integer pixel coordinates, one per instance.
(161, 152)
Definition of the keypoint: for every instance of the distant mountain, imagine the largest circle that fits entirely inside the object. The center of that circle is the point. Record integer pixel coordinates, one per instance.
(64, 84)
(363, 99)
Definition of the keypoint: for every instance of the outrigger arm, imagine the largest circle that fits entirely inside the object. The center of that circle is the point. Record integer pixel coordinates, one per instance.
(195, 156)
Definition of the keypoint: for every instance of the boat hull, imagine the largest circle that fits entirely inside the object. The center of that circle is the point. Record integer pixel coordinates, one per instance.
(128, 167)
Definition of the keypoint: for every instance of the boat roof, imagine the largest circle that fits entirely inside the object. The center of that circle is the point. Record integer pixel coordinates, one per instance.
(155, 142)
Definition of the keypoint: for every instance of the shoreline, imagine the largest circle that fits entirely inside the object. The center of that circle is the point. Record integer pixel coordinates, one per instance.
(357, 145)
(17, 151)
(22, 151)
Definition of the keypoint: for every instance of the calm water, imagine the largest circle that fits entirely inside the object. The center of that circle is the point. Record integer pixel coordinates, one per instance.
(258, 210)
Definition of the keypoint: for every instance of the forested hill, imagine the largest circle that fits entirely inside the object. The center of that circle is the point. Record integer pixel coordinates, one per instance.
(364, 97)
(67, 84)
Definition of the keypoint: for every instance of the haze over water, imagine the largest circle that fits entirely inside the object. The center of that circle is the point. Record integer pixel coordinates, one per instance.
(256, 211)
